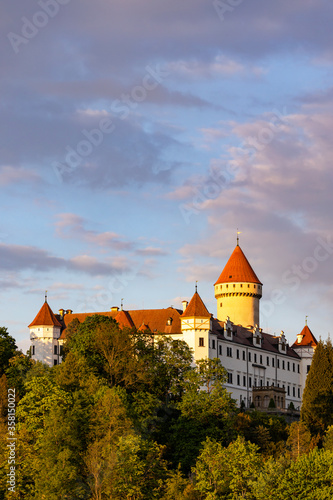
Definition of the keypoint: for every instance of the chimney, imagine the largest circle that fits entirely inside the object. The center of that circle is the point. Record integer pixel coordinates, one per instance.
(185, 304)
(69, 311)
(61, 313)
(114, 308)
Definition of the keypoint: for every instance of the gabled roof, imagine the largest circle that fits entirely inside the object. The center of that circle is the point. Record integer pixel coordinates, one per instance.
(45, 317)
(307, 338)
(196, 307)
(124, 319)
(238, 269)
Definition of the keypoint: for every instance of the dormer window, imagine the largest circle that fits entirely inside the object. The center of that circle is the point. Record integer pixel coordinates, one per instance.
(169, 321)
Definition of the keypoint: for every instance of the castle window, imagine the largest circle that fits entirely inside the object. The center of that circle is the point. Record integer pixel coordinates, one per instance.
(278, 363)
(213, 344)
(55, 350)
(241, 285)
(220, 304)
(293, 367)
(299, 392)
(273, 362)
(288, 366)
(288, 390)
(244, 358)
(220, 350)
(255, 357)
(248, 286)
(249, 356)
(294, 392)
(238, 379)
(234, 286)
(283, 366)
(297, 368)
(229, 352)
(254, 286)
(250, 382)
(32, 350)
(201, 342)
(237, 354)
(61, 350)
(307, 368)
(55, 362)
(244, 381)
(229, 378)
(267, 360)
(258, 340)
(226, 286)
(260, 359)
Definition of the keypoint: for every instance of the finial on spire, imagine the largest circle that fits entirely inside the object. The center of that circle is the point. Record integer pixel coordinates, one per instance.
(306, 320)
(121, 305)
(196, 286)
(45, 295)
(238, 233)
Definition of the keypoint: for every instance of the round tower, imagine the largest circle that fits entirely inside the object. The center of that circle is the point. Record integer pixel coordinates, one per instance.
(238, 291)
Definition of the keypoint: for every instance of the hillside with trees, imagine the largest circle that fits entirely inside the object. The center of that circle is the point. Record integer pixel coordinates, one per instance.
(127, 417)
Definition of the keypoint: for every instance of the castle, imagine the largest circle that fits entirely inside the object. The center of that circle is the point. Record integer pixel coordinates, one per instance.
(259, 365)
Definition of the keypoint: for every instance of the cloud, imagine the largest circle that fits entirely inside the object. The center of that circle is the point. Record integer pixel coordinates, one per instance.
(17, 175)
(19, 258)
(73, 226)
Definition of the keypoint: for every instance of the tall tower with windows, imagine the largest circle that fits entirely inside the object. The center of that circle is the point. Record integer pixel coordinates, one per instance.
(44, 334)
(238, 291)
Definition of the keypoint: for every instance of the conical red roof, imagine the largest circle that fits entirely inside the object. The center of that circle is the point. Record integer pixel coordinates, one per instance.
(45, 317)
(308, 339)
(196, 307)
(238, 269)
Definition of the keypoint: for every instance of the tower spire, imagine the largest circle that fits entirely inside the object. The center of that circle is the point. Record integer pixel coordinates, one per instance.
(45, 295)
(238, 233)
(196, 286)
(306, 320)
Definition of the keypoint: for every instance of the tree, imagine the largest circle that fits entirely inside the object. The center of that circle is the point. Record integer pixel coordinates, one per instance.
(8, 349)
(310, 477)
(299, 440)
(317, 404)
(206, 410)
(328, 438)
(226, 472)
(18, 367)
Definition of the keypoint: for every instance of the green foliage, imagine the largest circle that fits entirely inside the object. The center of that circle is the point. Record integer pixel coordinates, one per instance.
(269, 432)
(310, 477)
(299, 440)
(18, 367)
(203, 413)
(317, 404)
(8, 349)
(226, 472)
(271, 403)
(328, 439)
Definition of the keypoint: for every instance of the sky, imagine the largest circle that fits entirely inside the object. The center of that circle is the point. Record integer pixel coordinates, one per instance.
(137, 136)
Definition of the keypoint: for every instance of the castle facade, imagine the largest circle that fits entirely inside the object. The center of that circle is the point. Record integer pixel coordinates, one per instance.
(260, 366)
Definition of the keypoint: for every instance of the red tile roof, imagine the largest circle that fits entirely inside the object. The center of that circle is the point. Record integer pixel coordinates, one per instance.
(45, 317)
(156, 320)
(196, 308)
(308, 339)
(124, 319)
(238, 269)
